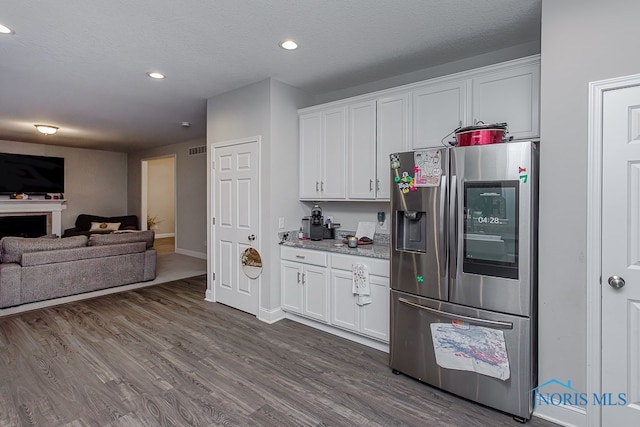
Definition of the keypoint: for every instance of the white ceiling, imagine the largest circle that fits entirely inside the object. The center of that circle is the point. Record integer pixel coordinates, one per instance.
(81, 64)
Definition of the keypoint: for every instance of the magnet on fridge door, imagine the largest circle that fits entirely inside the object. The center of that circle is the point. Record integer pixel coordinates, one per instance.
(395, 160)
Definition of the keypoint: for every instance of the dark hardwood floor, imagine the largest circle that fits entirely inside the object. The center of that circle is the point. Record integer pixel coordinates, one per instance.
(161, 355)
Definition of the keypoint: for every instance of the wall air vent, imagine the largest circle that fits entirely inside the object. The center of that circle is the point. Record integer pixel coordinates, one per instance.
(194, 151)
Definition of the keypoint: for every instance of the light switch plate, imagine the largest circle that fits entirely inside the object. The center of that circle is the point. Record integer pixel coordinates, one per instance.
(281, 223)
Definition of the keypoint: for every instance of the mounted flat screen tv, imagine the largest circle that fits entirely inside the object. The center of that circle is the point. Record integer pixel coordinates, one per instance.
(21, 173)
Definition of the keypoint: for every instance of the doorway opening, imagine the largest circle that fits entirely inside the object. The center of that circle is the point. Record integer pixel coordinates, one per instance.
(158, 204)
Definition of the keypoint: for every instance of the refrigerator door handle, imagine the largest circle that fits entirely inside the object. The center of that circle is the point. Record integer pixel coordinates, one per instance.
(442, 233)
(453, 228)
(491, 323)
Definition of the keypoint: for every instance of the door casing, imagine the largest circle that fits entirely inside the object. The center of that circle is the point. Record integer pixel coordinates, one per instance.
(594, 240)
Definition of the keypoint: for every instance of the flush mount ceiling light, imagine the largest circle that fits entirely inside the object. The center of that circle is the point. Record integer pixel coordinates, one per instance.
(47, 129)
(155, 75)
(5, 30)
(289, 45)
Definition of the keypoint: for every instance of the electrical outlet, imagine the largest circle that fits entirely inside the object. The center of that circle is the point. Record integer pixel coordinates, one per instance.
(281, 223)
(382, 220)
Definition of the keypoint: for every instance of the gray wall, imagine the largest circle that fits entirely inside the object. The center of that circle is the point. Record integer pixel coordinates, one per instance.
(267, 109)
(490, 58)
(95, 181)
(348, 214)
(283, 174)
(191, 190)
(582, 41)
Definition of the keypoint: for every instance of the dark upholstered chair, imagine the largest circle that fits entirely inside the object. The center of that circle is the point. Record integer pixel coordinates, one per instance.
(83, 224)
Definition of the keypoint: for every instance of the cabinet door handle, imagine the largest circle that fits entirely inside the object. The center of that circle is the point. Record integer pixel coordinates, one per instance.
(303, 278)
(298, 277)
(321, 185)
(316, 186)
(377, 185)
(370, 185)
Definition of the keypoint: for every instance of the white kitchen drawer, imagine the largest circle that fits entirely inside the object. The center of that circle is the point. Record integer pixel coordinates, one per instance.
(377, 267)
(304, 256)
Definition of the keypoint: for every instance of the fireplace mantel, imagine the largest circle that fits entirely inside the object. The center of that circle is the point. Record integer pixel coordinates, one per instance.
(47, 206)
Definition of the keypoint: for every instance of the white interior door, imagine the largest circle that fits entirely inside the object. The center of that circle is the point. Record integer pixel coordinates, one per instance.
(621, 256)
(236, 171)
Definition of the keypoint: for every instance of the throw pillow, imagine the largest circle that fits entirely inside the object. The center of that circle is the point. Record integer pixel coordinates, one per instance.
(104, 226)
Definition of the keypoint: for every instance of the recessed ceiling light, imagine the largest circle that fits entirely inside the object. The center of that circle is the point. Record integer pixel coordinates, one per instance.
(155, 75)
(289, 45)
(47, 129)
(5, 30)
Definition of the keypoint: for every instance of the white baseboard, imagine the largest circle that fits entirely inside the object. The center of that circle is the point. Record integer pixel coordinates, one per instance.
(271, 316)
(164, 235)
(191, 253)
(563, 415)
(369, 342)
(208, 295)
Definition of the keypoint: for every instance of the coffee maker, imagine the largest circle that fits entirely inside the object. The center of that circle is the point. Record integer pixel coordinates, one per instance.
(316, 231)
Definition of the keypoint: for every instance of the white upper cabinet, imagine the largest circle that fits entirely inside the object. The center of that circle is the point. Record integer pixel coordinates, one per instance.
(438, 109)
(392, 137)
(362, 150)
(377, 128)
(505, 93)
(345, 145)
(310, 154)
(323, 139)
(511, 96)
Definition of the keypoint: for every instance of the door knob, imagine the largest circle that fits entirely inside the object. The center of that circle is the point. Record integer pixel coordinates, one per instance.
(251, 237)
(616, 282)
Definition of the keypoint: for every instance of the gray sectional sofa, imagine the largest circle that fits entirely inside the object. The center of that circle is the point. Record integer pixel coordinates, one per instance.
(37, 269)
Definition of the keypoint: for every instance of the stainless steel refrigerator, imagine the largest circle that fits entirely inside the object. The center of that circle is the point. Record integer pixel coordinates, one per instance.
(464, 271)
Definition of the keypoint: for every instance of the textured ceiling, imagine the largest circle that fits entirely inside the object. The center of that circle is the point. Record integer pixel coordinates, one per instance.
(81, 64)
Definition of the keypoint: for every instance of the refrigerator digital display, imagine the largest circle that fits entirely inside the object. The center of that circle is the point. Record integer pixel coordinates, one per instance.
(491, 228)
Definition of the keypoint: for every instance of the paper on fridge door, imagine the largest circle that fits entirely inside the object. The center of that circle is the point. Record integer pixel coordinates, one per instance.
(476, 348)
(428, 167)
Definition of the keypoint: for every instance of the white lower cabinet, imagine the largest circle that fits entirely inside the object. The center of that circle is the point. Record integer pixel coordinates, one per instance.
(318, 285)
(371, 319)
(305, 283)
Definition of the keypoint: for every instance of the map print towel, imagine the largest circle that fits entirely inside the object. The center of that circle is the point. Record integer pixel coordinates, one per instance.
(471, 348)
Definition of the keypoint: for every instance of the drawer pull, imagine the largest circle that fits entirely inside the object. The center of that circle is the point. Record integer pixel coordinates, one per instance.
(300, 256)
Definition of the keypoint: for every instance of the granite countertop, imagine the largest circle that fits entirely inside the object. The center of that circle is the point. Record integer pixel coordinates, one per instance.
(379, 248)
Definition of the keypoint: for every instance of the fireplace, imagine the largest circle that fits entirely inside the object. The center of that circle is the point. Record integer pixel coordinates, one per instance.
(51, 210)
(31, 225)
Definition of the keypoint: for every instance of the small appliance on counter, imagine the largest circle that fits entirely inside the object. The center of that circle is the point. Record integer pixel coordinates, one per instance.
(329, 230)
(316, 231)
(306, 227)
